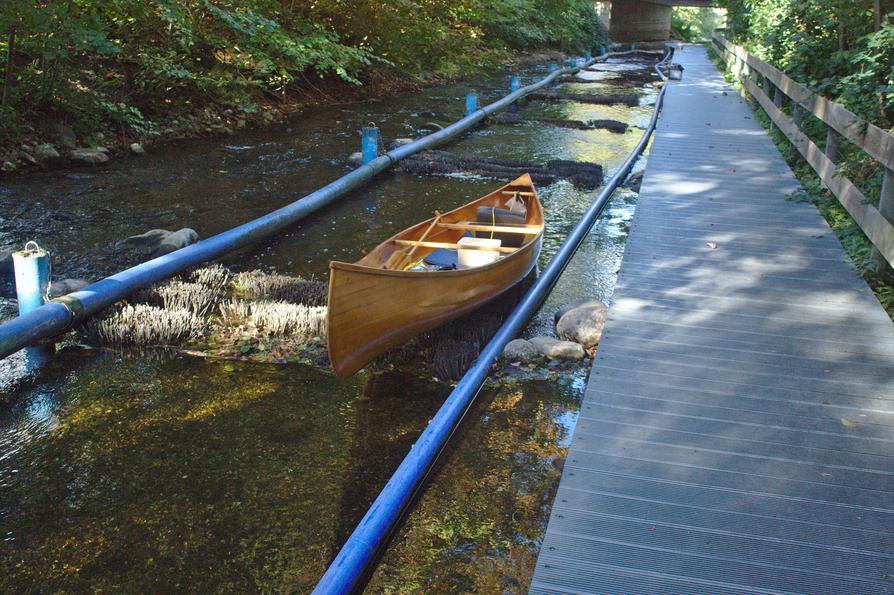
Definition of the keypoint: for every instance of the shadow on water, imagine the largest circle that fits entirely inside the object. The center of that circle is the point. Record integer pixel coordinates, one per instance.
(157, 471)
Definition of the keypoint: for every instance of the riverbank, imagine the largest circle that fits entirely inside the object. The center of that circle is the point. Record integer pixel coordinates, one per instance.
(40, 146)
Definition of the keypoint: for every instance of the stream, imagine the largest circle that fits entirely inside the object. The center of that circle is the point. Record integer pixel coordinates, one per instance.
(157, 471)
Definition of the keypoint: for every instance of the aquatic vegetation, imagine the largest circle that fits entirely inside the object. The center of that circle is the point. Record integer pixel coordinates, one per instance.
(142, 325)
(258, 285)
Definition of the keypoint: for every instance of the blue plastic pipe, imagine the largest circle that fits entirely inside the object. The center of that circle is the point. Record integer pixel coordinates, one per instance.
(59, 314)
(32, 276)
(349, 569)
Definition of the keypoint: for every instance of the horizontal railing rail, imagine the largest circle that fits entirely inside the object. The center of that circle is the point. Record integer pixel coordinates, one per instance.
(769, 87)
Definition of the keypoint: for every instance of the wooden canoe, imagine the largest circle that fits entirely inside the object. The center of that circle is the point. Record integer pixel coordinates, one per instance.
(373, 309)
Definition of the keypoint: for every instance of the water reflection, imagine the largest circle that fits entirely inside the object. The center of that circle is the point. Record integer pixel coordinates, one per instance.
(156, 471)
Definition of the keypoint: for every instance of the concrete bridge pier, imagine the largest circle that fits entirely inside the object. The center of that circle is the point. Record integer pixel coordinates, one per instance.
(645, 20)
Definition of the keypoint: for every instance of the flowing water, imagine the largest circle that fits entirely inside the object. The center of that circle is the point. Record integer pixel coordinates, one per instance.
(157, 471)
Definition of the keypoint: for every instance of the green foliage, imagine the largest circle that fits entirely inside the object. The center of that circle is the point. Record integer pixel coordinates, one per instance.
(128, 62)
(696, 24)
(829, 45)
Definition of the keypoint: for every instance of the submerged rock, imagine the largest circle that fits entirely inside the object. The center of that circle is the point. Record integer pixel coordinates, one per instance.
(520, 350)
(8, 167)
(137, 149)
(583, 324)
(162, 241)
(634, 181)
(555, 349)
(66, 286)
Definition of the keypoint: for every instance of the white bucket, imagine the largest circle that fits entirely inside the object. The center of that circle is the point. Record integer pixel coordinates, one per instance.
(467, 259)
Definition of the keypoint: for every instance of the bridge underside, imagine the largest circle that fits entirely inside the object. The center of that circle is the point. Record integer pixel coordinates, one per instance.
(645, 20)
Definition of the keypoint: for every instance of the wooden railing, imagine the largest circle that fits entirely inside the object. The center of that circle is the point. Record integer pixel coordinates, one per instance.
(770, 88)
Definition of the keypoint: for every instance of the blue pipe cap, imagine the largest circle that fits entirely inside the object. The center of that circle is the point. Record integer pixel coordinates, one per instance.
(32, 276)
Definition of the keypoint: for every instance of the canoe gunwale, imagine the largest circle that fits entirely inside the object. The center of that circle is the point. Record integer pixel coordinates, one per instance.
(363, 323)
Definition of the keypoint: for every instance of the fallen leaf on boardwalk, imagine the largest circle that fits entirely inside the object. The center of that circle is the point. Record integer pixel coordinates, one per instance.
(711, 245)
(848, 423)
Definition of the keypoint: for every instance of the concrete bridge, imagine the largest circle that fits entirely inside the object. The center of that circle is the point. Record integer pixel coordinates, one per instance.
(643, 20)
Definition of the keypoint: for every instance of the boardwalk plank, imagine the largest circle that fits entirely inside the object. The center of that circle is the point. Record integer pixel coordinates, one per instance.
(737, 432)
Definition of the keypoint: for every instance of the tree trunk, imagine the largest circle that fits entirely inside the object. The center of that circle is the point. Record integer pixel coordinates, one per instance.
(877, 9)
(10, 50)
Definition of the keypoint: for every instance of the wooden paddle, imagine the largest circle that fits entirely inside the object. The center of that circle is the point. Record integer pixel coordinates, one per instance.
(401, 258)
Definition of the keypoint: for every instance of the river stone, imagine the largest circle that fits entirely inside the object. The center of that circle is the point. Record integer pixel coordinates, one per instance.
(583, 324)
(46, 152)
(137, 149)
(162, 241)
(356, 158)
(555, 349)
(520, 350)
(8, 167)
(66, 286)
(89, 156)
(66, 136)
(571, 306)
(400, 142)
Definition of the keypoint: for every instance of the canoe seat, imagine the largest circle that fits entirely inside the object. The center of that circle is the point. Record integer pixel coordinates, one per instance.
(496, 216)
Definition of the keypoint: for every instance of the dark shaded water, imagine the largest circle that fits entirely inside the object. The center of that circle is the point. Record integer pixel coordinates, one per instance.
(129, 471)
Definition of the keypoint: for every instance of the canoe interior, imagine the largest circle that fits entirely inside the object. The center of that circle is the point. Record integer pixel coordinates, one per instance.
(373, 309)
(464, 214)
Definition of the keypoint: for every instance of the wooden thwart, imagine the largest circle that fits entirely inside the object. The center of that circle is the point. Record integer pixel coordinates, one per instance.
(522, 229)
(450, 246)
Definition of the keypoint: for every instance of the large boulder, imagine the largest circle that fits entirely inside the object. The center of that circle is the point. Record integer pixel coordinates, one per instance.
(520, 350)
(47, 152)
(89, 156)
(558, 314)
(583, 324)
(65, 135)
(555, 349)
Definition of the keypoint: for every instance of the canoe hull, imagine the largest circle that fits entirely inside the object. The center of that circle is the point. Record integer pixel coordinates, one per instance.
(372, 312)
(374, 308)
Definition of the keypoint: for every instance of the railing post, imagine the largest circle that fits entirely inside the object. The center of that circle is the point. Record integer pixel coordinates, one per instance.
(797, 115)
(886, 208)
(832, 138)
(778, 97)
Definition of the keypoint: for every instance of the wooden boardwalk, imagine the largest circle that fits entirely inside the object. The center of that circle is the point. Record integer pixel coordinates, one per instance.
(736, 433)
